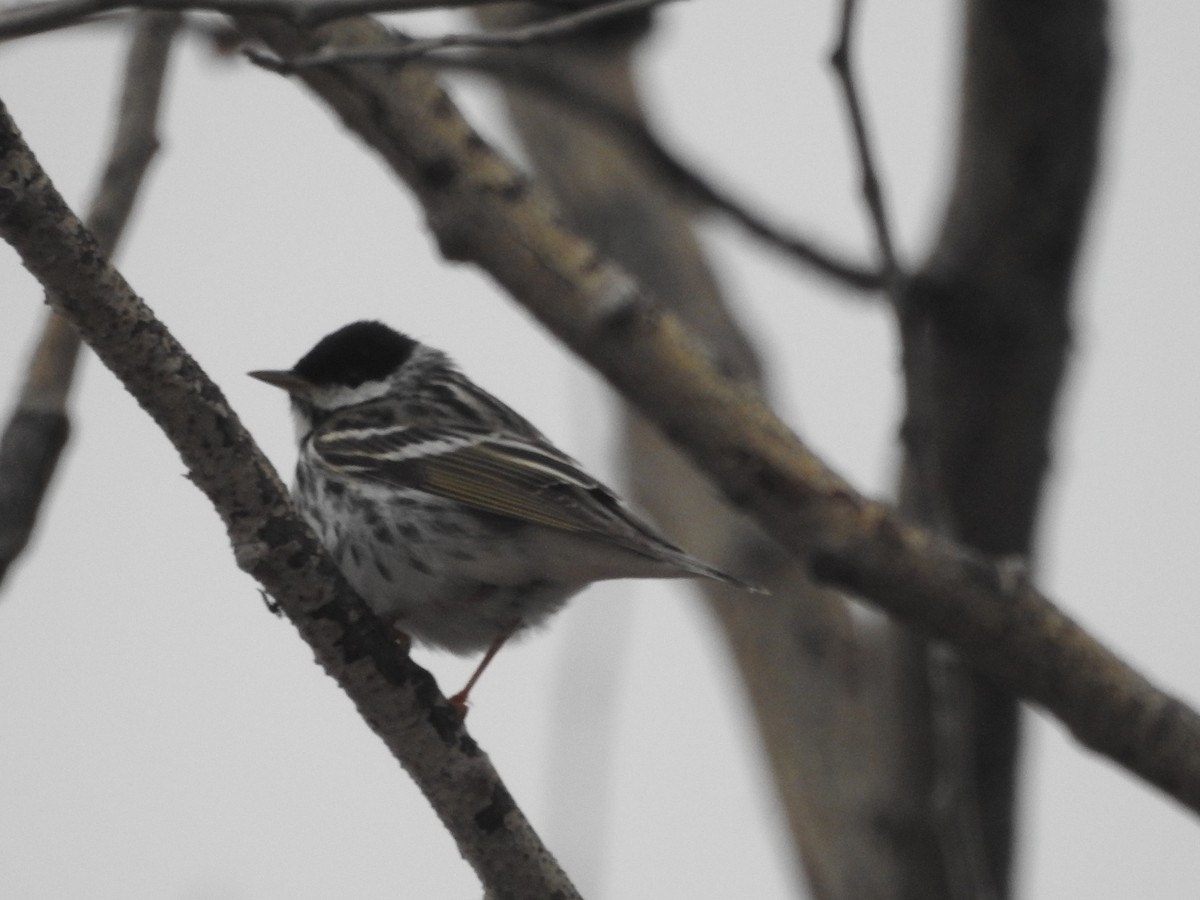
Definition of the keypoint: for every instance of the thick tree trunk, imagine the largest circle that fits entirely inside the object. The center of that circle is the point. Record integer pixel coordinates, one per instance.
(985, 325)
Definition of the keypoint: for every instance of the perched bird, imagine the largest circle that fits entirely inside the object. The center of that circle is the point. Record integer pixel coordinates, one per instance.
(455, 519)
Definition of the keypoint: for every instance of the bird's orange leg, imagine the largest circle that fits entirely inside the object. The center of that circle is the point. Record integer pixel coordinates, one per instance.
(403, 641)
(459, 700)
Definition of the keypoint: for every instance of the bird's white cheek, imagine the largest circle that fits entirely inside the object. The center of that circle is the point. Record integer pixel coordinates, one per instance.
(301, 423)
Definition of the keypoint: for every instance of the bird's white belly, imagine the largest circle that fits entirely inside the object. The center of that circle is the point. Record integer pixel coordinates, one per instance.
(448, 577)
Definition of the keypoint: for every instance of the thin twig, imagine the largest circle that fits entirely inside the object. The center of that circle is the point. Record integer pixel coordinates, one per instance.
(38, 427)
(21, 21)
(954, 798)
(842, 65)
(649, 147)
(559, 28)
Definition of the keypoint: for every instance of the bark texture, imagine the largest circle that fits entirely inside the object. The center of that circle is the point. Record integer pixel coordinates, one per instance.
(397, 699)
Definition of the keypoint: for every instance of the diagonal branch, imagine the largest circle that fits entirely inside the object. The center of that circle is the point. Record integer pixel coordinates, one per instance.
(397, 698)
(37, 430)
(483, 211)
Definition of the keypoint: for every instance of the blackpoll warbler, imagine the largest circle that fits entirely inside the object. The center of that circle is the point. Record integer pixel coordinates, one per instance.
(456, 520)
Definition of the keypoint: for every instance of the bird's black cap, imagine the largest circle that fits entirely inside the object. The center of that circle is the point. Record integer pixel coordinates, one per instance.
(362, 351)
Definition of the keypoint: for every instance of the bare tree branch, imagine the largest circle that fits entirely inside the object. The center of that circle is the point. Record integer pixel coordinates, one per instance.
(38, 428)
(21, 21)
(842, 64)
(985, 326)
(650, 150)
(483, 211)
(940, 852)
(397, 698)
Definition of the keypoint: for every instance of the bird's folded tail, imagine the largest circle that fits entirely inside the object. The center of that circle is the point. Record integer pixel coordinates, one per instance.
(704, 570)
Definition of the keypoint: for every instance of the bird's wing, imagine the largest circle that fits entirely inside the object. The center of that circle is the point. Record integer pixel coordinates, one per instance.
(501, 473)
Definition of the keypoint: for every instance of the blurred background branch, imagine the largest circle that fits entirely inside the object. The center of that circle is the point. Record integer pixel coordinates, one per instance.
(894, 761)
(984, 323)
(38, 426)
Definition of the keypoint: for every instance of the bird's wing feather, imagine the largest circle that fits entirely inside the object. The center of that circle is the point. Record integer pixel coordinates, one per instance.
(505, 474)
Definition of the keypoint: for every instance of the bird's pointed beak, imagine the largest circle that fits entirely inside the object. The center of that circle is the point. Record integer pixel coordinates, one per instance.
(288, 381)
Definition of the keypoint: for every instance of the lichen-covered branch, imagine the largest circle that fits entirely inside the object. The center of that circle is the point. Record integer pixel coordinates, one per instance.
(397, 698)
